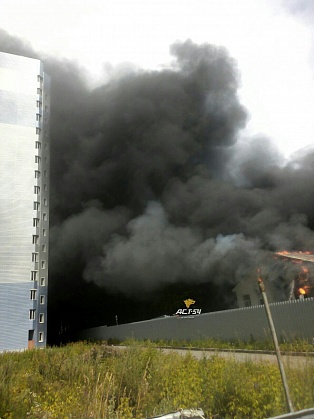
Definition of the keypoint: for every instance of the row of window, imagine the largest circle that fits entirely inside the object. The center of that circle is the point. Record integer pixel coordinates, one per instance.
(36, 237)
(34, 278)
(37, 189)
(39, 105)
(36, 205)
(36, 220)
(35, 254)
(247, 300)
(35, 259)
(39, 119)
(38, 143)
(40, 92)
(31, 335)
(34, 273)
(33, 296)
(38, 132)
(38, 173)
(32, 315)
(38, 159)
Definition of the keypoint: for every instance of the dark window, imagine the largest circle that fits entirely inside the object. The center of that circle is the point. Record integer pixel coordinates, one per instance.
(247, 300)
(34, 276)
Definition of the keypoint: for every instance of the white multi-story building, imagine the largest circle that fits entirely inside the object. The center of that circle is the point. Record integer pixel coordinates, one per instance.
(24, 201)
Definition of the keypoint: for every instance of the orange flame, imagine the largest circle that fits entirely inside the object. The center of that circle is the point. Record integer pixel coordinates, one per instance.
(305, 270)
(302, 291)
(284, 252)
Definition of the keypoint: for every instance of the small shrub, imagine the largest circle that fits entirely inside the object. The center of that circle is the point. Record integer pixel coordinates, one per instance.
(86, 380)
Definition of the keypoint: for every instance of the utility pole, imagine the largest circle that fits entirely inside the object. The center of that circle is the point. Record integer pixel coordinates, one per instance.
(274, 336)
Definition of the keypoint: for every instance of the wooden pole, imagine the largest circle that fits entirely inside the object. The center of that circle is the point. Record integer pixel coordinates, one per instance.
(278, 354)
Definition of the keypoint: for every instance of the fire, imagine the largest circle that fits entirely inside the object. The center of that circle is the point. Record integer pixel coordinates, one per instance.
(284, 252)
(296, 257)
(303, 282)
(305, 270)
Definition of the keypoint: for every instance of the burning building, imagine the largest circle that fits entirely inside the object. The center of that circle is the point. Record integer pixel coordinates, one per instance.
(248, 293)
(303, 286)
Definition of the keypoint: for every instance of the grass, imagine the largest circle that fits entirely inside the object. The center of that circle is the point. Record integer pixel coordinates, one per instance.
(297, 345)
(85, 380)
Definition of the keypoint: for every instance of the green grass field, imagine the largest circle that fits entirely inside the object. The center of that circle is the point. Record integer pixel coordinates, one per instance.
(85, 380)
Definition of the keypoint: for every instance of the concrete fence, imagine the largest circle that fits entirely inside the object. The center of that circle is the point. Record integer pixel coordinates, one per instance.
(292, 319)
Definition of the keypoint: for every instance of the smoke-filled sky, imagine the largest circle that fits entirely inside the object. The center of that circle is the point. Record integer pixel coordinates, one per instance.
(157, 176)
(271, 40)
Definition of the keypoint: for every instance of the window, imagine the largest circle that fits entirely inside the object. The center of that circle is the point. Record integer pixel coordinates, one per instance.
(42, 299)
(36, 205)
(38, 117)
(37, 159)
(37, 174)
(42, 281)
(39, 104)
(39, 91)
(36, 190)
(40, 79)
(44, 216)
(38, 145)
(33, 295)
(44, 232)
(45, 201)
(43, 264)
(45, 187)
(34, 257)
(34, 276)
(43, 248)
(40, 336)
(32, 314)
(45, 173)
(247, 300)
(41, 318)
(38, 131)
(35, 222)
(35, 239)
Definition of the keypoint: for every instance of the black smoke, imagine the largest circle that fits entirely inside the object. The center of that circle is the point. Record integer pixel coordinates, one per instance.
(151, 189)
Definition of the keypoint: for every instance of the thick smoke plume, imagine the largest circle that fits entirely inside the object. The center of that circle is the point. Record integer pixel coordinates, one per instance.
(149, 185)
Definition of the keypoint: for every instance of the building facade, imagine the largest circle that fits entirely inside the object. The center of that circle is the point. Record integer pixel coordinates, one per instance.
(24, 202)
(248, 292)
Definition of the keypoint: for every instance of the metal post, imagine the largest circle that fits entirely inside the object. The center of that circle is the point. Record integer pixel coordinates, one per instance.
(278, 354)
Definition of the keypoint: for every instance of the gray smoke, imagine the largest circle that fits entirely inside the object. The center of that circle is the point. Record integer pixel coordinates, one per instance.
(150, 186)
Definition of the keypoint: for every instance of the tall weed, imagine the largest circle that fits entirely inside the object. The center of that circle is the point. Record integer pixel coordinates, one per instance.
(85, 380)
